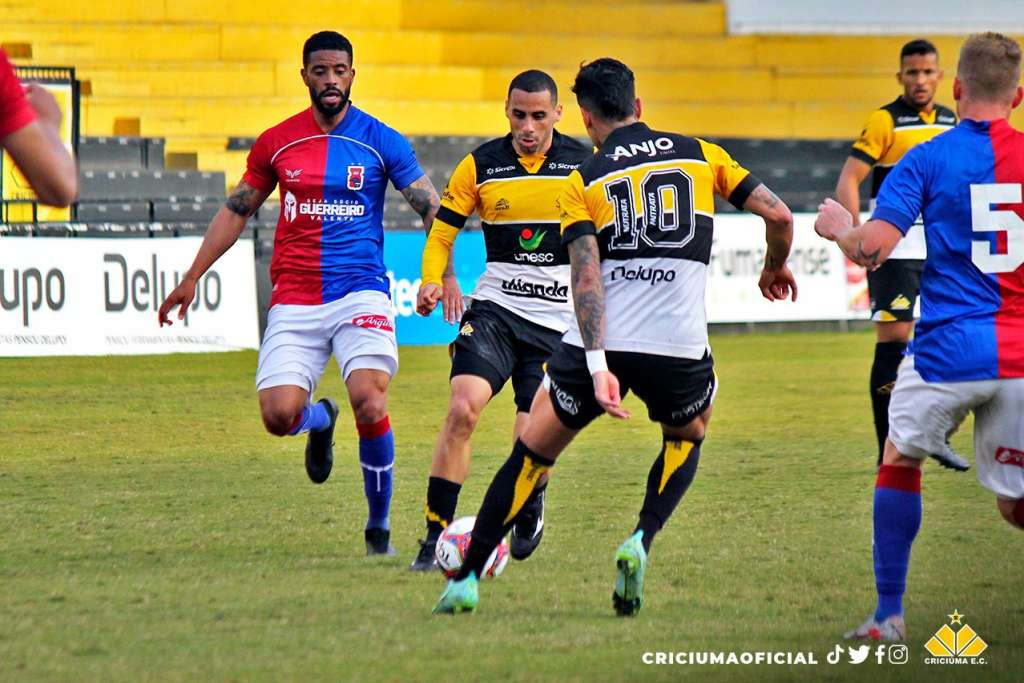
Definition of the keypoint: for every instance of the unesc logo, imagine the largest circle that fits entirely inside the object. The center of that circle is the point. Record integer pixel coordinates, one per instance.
(962, 646)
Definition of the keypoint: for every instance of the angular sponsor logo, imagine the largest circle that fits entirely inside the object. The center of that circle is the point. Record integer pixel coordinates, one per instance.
(900, 303)
(467, 330)
(374, 322)
(501, 205)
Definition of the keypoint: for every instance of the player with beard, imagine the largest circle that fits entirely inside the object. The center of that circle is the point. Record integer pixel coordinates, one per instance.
(332, 163)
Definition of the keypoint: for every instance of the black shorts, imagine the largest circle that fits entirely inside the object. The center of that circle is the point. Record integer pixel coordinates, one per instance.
(893, 289)
(675, 390)
(496, 344)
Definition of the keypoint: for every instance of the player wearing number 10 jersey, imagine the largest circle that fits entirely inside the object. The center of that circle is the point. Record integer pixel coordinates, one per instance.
(968, 351)
(637, 218)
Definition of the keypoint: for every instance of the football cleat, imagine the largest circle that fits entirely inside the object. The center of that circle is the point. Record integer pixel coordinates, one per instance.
(426, 559)
(951, 459)
(459, 596)
(528, 529)
(630, 560)
(891, 629)
(378, 542)
(320, 447)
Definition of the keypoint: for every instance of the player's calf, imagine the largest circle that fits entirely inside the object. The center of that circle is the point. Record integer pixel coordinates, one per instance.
(1012, 511)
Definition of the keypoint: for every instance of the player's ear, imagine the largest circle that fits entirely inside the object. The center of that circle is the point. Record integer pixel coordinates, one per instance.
(637, 108)
(305, 77)
(958, 89)
(558, 113)
(1017, 97)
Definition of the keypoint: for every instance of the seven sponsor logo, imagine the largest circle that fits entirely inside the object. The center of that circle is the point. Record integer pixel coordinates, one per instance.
(1009, 456)
(552, 291)
(355, 178)
(641, 274)
(373, 322)
(647, 147)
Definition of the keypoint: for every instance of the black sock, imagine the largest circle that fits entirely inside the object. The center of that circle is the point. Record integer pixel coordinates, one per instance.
(505, 497)
(442, 498)
(888, 356)
(670, 476)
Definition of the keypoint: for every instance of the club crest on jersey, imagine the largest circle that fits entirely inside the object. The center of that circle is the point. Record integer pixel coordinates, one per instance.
(355, 177)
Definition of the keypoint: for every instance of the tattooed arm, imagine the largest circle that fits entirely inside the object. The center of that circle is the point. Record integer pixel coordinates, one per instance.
(223, 232)
(588, 290)
(776, 281)
(423, 199)
(868, 245)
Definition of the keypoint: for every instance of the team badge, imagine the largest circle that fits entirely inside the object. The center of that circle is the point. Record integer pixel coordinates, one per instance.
(355, 177)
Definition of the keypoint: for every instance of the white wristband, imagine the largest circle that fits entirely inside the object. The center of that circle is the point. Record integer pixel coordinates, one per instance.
(596, 361)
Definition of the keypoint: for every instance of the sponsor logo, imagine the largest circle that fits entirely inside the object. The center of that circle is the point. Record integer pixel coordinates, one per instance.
(30, 288)
(946, 118)
(536, 290)
(529, 240)
(446, 194)
(646, 148)
(900, 303)
(291, 176)
(908, 119)
(143, 289)
(467, 330)
(1010, 456)
(501, 205)
(641, 274)
(691, 410)
(567, 401)
(289, 207)
(962, 646)
(559, 166)
(534, 258)
(319, 208)
(499, 169)
(355, 178)
(374, 322)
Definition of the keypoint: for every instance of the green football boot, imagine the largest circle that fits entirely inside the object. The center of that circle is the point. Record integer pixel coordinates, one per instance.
(630, 560)
(459, 596)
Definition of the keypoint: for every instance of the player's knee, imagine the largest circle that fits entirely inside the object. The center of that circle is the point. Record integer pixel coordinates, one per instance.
(1012, 511)
(278, 420)
(462, 415)
(370, 408)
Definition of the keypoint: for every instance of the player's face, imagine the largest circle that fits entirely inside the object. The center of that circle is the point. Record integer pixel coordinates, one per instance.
(532, 116)
(329, 77)
(919, 75)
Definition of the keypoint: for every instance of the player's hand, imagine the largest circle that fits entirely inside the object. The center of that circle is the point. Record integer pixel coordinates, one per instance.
(451, 300)
(181, 296)
(832, 219)
(44, 104)
(777, 285)
(427, 298)
(606, 391)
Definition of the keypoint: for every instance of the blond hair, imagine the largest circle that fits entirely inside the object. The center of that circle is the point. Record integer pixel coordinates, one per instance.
(989, 67)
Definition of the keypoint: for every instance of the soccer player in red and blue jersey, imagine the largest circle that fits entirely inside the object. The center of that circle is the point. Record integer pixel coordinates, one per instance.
(968, 351)
(331, 163)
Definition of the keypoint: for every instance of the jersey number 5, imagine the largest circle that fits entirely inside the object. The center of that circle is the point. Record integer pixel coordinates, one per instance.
(664, 217)
(1005, 223)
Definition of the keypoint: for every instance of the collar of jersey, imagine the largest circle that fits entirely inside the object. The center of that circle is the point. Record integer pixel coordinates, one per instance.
(510, 149)
(625, 131)
(342, 125)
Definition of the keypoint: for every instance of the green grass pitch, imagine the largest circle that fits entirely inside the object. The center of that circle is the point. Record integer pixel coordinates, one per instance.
(150, 530)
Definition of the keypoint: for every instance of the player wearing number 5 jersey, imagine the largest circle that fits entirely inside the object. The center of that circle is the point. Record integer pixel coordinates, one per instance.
(638, 219)
(968, 351)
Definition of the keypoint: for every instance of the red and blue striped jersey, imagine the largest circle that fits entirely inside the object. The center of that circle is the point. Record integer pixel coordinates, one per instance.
(967, 185)
(330, 233)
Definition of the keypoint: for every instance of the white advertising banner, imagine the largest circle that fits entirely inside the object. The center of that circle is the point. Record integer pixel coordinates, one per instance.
(827, 289)
(94, 296)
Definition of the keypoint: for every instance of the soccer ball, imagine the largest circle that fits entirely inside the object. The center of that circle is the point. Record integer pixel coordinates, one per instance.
(453, 543)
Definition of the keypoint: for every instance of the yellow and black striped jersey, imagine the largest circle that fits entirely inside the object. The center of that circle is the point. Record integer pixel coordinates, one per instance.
(890, 132)
(649, 198)
(517, 200)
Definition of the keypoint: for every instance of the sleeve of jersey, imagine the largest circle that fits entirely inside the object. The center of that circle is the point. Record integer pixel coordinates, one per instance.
(259, 173)
(901, 196)
(15, 111)
(400, 158)
(874, 139)
(732, 181)
(457, 203)
(573, 213)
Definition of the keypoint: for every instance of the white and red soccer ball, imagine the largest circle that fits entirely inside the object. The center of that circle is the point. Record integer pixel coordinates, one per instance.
(454, 542)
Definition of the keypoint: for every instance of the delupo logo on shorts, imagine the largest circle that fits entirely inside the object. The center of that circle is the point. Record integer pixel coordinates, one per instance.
(962, 646)
(374, 322)
(355, 177)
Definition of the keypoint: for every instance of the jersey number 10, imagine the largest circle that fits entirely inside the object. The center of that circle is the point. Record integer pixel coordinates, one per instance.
(664, 217)
(985, 219)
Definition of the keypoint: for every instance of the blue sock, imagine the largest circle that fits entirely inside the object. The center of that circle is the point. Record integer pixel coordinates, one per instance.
(377, 456)
(897, 520)
(314, 418)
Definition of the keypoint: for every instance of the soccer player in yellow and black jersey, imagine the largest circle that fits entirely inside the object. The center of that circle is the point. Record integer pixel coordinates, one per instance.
(890, 131)
(521, 304)
(637, 219)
